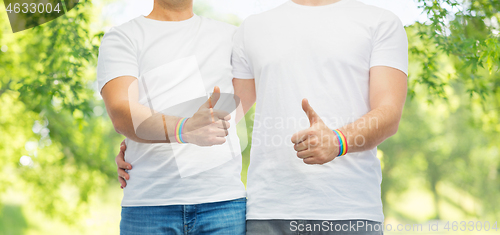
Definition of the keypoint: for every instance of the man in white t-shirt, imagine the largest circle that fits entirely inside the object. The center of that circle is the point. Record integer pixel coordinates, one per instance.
(154, 74)
(329, 78)
(350, 61)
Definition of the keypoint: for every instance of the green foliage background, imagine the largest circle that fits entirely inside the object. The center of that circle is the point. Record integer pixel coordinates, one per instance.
(443, 163)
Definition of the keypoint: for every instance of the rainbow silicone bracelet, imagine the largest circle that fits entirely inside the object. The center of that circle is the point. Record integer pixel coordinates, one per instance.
(345, 143)
(340, 141)
(343, 148)
(178, 130)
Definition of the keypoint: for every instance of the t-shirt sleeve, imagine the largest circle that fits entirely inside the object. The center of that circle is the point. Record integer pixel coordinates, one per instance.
(239, 59)
(117, 58)
(390, 47)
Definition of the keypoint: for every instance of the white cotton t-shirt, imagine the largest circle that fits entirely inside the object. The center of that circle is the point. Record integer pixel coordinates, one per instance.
(324, 54)
(175, 63)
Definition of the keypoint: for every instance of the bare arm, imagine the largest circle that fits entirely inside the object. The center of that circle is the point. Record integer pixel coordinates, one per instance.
(121, 97)
(245, 90)
(141, 124)
(388, 89)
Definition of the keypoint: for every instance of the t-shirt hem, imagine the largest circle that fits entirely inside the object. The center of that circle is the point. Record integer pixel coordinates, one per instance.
(183, 201)
(397, 66)
(243, 75)
(371, 217)
(115, 76)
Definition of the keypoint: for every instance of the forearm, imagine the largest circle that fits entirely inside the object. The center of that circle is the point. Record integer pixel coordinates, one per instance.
(132, 119)
(372, 129)
(388, 88)
(141, 124)
(318, 144)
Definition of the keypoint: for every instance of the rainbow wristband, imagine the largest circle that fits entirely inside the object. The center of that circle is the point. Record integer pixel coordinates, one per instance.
(178, 130)
(342, 142)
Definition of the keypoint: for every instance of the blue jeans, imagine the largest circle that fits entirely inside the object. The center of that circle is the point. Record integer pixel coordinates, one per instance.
(227, 217)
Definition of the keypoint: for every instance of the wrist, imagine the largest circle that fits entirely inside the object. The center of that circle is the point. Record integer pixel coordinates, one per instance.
(179, 130)
(187, 126)
(342, 142)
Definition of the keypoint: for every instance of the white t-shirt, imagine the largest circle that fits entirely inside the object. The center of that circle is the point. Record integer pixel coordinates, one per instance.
(322, 53)
(177, 62)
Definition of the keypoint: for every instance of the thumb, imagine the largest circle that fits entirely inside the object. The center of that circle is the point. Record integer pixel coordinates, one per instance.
(311, 114)
(213, 99)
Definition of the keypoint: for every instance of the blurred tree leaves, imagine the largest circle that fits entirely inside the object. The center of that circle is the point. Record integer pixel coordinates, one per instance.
(448, 137)
(466, 31)
(27, 14)
(50, 114)
(202, 8)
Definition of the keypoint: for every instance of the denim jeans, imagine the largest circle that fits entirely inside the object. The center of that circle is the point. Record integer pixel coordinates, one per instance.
(313, 227)
(226, 217)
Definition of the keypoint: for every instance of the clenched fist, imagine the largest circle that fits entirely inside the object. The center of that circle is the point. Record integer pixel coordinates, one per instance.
(207, 127)
(317, 144)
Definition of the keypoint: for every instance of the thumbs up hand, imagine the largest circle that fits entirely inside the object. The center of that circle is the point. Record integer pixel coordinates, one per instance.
(317, 144)
(207, 127)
